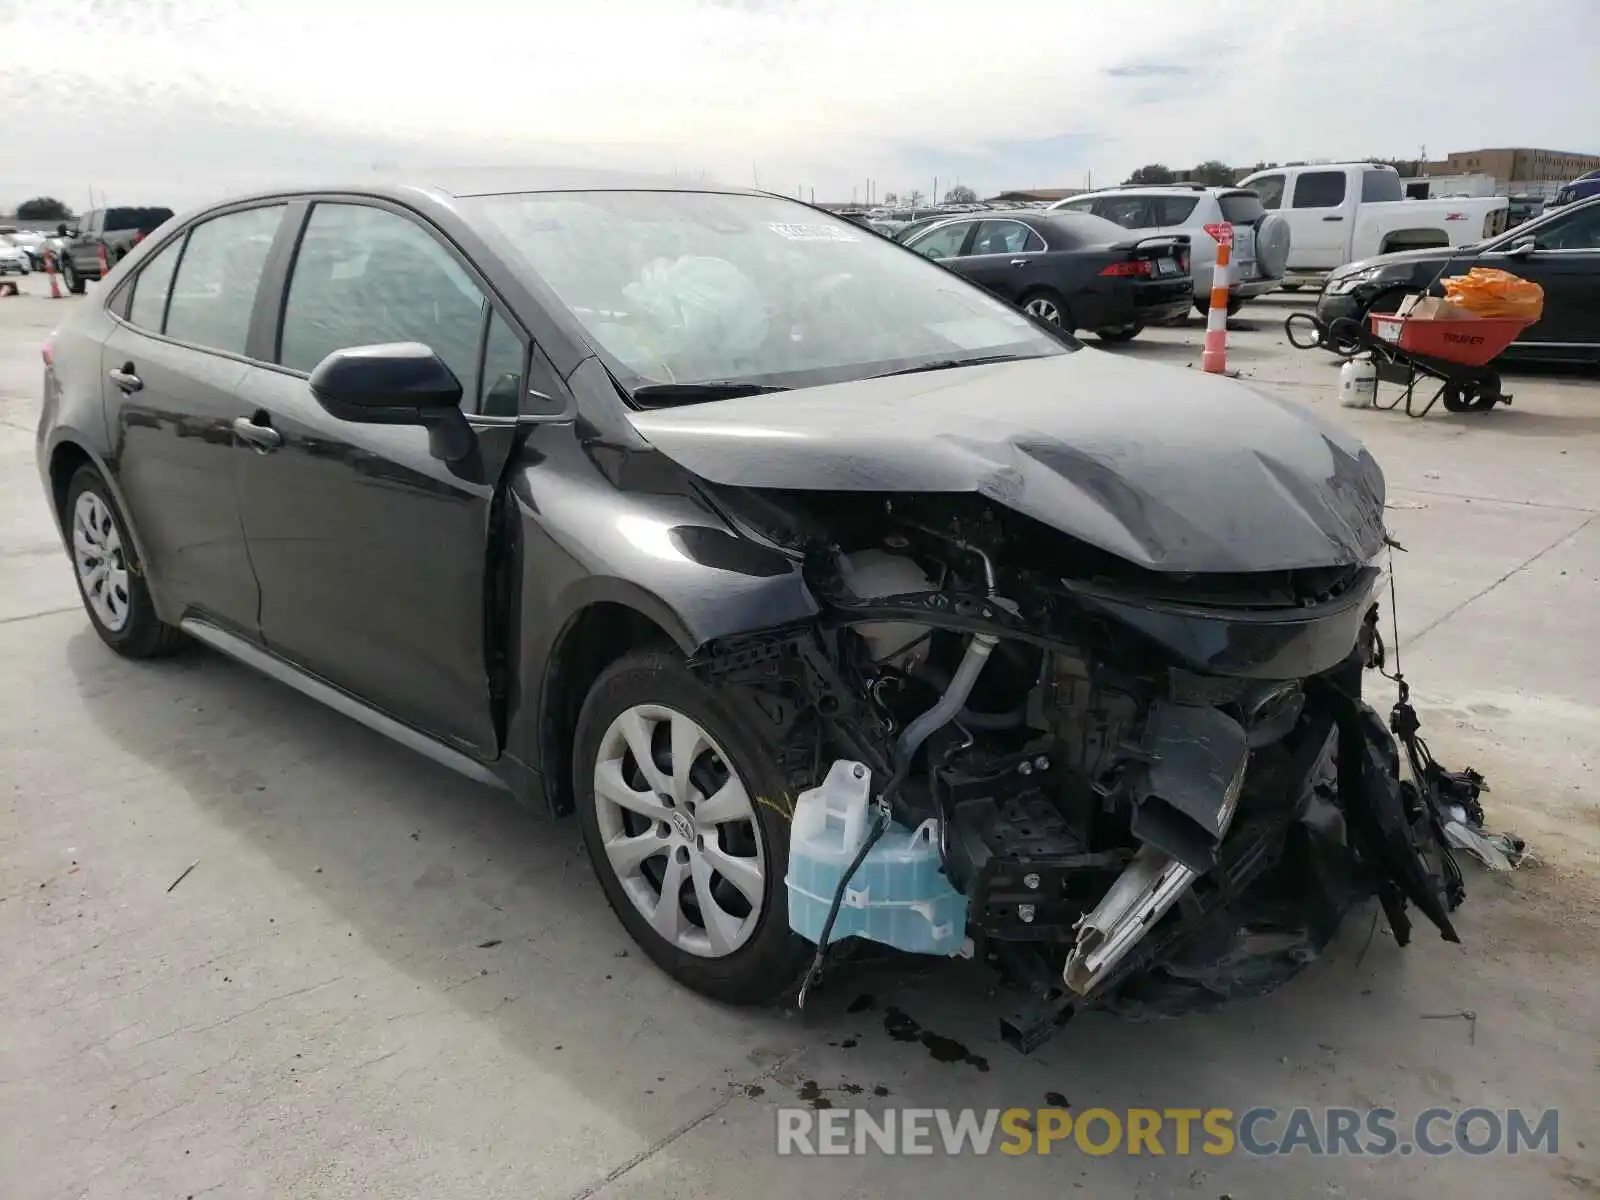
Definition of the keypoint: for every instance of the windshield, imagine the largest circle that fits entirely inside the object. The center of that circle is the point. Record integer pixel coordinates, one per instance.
(697, 287)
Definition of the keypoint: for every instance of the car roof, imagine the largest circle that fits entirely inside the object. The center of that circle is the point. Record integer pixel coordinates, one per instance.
(456, 184)
(1157, 189)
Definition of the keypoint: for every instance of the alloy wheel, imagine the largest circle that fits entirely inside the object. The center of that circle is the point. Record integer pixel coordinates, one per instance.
(1044, 309)
(97, 553)
(679, 830)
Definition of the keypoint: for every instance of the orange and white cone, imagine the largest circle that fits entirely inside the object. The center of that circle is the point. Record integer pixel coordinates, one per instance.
(1214, 358)
(50, 273)
(105, 267)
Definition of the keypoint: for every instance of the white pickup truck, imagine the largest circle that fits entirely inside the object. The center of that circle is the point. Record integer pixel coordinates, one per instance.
(1343, 212)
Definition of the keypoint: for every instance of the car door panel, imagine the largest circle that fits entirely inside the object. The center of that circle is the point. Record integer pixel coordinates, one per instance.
(174, 446)
(371, 556)
(179, 355)
(371, 552)
(1320, 219)
(1009, 272)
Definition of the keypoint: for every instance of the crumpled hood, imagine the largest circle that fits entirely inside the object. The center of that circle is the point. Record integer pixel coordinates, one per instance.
(1171, 469)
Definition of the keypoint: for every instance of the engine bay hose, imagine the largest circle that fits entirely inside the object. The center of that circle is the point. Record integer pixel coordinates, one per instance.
(950, 703)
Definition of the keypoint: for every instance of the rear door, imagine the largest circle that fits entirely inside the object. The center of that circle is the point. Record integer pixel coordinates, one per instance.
(174, 367)
(1319, 222)
(83, 250)
(1242, 210)
(1004, 257)
(370, 551)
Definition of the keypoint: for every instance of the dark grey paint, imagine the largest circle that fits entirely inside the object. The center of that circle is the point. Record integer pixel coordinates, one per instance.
(350, 557)
(1170, 469)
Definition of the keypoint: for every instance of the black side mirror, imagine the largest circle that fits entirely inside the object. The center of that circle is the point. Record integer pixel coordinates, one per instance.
(399, 383)
(1522, 248)
(61, 230)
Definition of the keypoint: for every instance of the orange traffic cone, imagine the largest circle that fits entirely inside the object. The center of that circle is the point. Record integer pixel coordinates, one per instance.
(105, 267)
(50, 273)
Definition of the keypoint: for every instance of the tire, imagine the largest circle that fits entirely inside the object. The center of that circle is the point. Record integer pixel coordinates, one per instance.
(1292, 287)
(1123, 333)
(117, 599)
(69, 275)
(1204, 308)
(1045, 305)
(754, 958)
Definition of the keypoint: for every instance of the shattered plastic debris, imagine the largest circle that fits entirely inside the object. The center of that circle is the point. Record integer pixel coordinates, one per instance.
(1497, 851)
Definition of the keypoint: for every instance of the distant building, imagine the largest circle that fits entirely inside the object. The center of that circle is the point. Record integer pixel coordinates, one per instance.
(1520, 165)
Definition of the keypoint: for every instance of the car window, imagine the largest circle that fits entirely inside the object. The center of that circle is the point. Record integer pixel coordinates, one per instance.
(151, 286)
(1319, 189)
(215, 289)
(500, 392)
(1005, 237)
(1173, 210)
(943, 241)
(1130, 212)
(1079, 206)
(1270, 189)
(1379, 187)
(1579, 231)
(690, 287)
(1241, 208)
(364, 276)
(1071, 230)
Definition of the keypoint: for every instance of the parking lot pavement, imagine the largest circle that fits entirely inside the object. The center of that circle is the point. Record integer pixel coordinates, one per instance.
(379, 980)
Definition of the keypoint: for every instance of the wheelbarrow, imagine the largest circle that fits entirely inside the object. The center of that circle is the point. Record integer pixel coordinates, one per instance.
(1455, 353)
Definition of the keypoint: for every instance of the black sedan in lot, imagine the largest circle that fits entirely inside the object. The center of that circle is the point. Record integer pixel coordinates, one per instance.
(1559, 251)
(622, 496)
(1072, 270)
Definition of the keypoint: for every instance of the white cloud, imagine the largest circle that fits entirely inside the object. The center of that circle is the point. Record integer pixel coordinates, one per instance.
(818, 93)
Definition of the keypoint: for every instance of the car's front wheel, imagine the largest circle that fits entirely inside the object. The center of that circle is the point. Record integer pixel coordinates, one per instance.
(686, 820)
(109, 576)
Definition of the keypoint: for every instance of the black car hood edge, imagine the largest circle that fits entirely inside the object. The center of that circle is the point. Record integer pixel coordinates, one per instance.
(1170, 469)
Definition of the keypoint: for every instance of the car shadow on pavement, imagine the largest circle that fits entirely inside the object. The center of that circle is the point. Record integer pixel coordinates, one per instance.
(492, 910)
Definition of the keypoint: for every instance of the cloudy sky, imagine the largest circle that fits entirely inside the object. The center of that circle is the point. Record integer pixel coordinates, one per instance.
(176, 101)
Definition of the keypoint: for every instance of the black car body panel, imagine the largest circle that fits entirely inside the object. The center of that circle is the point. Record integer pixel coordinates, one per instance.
(1563, 259)
(1239, 481)
(1066, 259)
(1129, 540)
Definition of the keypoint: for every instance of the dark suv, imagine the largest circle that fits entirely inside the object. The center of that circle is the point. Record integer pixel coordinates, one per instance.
(116, 230)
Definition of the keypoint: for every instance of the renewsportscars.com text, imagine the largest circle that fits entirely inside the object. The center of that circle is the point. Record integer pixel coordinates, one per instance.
(1256, 1132)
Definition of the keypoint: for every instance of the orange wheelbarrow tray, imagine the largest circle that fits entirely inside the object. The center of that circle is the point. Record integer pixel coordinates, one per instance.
(1472, 342)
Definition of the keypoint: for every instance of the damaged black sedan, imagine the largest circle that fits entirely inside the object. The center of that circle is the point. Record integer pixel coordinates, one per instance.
(707, 516)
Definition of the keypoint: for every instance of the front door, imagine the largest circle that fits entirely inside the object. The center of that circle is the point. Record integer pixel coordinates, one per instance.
(172, 377)
(370, 551)
(1566, 263)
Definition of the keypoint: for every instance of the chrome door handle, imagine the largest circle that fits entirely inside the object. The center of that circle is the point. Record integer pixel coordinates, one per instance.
(124, 378)
(262, 437)
(1020, 262)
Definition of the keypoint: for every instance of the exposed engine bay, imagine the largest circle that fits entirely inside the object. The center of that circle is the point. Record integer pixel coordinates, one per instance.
(1157, 791)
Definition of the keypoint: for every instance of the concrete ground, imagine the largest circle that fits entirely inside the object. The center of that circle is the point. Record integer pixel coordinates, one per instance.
(381, 981)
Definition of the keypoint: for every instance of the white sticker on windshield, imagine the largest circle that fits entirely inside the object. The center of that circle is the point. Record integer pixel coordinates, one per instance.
(813, 233)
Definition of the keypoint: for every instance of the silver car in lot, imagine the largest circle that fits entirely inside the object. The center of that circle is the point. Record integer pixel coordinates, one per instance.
(1260, 239)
